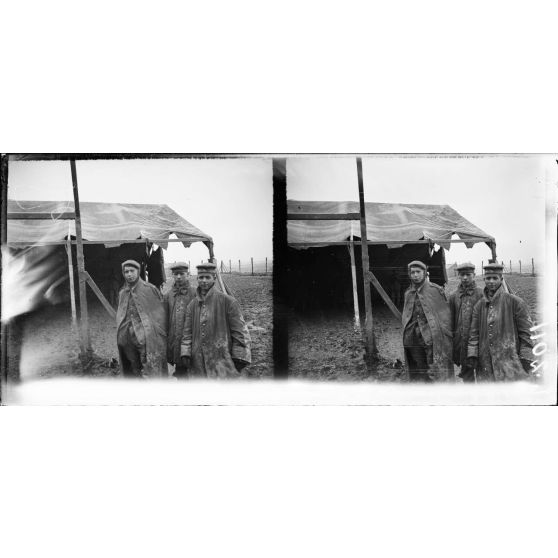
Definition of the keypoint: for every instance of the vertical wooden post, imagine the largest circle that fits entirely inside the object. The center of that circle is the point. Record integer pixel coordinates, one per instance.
(493, 250)
(71, 277)
(369, 340)
(238, 266)
(354, 278)
(533, 266)
(230, 267)
(266, 265)
(280, 263)
(510, 267)
(212, 259)
(482, 268)
(85, 340)
(519, 267)
(252, 263)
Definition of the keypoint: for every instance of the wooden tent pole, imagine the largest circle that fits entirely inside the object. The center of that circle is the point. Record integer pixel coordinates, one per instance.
(353, 275)
(217, 272)
(369, 340)
(85, 340)
(495, 260)
(71, 277)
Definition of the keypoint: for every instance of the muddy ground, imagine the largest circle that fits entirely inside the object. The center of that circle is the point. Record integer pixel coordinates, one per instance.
(46, 345)
(327, 346)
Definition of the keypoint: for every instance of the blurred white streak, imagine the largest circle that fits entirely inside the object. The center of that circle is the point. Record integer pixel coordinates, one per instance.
(30, 278)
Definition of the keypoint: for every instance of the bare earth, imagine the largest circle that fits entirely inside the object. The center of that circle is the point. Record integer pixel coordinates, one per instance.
(329, 348)
(50, 347)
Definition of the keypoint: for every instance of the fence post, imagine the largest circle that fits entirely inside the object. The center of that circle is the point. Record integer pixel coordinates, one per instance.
(252, 262)
(510, 267)
(482, 268)
(519, 267)
(238, 266)
(221, 266)
(230, 267)
(533, 266)
(266, 266)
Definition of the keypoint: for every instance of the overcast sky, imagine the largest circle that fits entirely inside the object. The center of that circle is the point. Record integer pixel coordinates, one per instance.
(502, 195)
(229, 199)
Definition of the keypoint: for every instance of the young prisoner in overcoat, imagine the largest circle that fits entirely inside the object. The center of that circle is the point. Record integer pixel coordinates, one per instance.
(427, 338)
(462, 301)
(500, 347)
(141, 326)
(216, 342)
(176, 301)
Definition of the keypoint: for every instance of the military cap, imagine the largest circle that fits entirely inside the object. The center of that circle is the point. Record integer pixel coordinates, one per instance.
(416, 263)
(206, 268)
(178, 266)
(131, 263)
(493, 268)
(467, 266)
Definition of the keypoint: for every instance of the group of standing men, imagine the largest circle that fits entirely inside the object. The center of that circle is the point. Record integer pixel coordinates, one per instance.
(200, 331)
(486, 332)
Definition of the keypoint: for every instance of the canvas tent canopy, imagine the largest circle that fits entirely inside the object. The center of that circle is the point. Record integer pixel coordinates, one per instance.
(111, 224)
(320, 264)
(112, 233)
(393, 224)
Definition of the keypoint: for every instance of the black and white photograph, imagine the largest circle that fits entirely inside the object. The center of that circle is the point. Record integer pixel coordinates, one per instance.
(448, 304)
(137, 268)
(278, 279)
(453, 287)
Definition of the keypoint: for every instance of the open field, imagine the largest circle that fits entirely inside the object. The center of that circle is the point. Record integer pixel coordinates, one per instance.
(46, 346)
(326, 346)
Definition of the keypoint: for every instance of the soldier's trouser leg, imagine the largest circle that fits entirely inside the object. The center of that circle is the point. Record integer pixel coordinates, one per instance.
(133, 357)
(467, 376)
(180, 372)
(418, 359)
(133, 353)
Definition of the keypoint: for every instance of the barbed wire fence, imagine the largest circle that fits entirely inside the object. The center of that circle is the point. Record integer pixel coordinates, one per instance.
(511, 267)
(252, 266)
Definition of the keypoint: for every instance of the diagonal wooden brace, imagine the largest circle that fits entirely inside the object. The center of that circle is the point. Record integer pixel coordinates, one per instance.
(384, 295)
(100, 295)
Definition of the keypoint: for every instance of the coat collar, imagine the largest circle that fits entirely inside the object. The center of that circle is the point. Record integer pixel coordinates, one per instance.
(133, 287)
(495, 297)
(419, 289)
(207, 296)
(180, 290)
(466, 291)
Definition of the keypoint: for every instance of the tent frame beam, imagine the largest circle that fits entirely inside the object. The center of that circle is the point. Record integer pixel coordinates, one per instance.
(323, 217)
(379, 242)
(104, 242)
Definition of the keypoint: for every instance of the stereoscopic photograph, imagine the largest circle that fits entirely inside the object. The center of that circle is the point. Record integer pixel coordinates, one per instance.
(404, 279)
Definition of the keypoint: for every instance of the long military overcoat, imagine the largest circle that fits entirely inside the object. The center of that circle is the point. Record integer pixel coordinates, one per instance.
(149, 303)
(462, 301)
(176, 302)
(214, 334)
(500, 336)
(437, 312)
